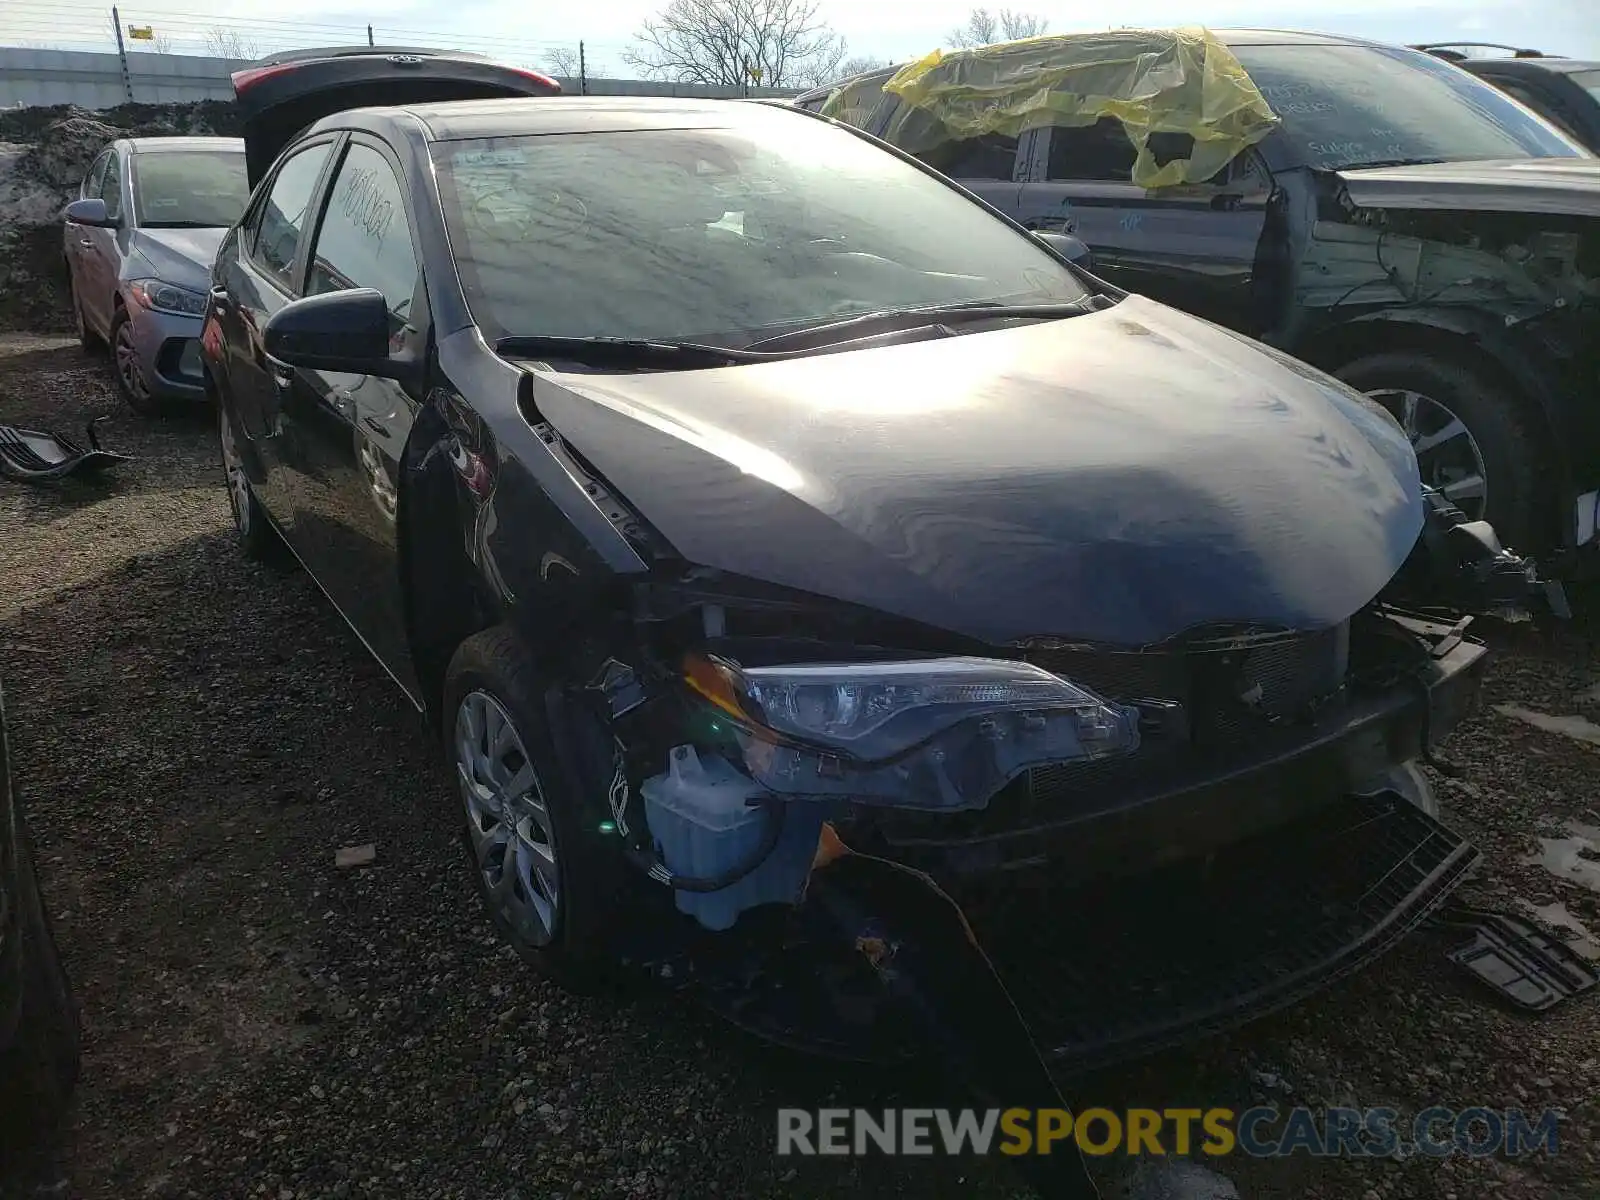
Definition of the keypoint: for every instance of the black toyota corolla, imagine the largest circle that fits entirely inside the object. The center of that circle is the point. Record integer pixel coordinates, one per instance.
(812, 576)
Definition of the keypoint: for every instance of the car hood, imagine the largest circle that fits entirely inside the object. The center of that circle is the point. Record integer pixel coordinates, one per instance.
(179, 256)
(1569, 186)
(1118, 477)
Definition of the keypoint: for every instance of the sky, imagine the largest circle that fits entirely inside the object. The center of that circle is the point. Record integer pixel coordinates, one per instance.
(890, 29)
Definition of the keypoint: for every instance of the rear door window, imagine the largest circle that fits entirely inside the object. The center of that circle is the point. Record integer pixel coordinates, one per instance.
(989, 156)
(278, 221)
(1100, 152)
(364, 239)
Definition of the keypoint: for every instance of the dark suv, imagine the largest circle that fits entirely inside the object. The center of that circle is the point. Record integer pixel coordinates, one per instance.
(1564, 91)
(1401, 224)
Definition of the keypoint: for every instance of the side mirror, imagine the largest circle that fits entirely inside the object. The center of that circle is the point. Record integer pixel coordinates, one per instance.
(344, 331)
(1074, 250)
(91, 212)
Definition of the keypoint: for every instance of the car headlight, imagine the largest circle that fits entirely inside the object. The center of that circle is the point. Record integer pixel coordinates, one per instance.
(167, 297)
(873, 711)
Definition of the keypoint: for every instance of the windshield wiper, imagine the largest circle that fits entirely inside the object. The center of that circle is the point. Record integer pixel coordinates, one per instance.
(943, 314)
(627, 351)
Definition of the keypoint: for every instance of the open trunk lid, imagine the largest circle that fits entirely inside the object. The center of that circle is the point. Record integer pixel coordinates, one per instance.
(282, 94)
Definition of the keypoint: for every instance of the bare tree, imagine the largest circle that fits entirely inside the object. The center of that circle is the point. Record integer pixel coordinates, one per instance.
(984, 28)
(564, 61)
(772, 43)
(161, 43)
(860, 64)
(222, 42)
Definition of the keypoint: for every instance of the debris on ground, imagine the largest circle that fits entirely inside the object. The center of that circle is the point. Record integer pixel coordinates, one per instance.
(347, 857)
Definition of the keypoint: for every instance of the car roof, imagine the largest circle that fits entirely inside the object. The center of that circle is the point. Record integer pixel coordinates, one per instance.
(1228, 37)
(1290, 37)
(162, 145)
(454, 120)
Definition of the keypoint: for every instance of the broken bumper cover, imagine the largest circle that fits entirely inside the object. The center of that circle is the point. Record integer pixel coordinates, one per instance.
(1095, 820)
(1115, 971)
(1284, 880)
(1135, 919)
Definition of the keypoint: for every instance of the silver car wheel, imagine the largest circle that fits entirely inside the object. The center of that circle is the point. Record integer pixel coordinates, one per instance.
(1448, 457)
(238, 483)
(508, 822)
(127, 359)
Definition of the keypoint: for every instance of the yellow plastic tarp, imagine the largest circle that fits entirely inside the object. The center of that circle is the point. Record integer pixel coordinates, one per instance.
(1182, 81)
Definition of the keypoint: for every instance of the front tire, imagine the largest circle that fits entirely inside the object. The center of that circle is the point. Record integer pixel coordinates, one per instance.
(1472, 439)
(131, 383)
(542, 869)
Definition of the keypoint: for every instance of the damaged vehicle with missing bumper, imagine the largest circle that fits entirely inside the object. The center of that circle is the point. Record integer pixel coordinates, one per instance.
(1371, 209)
(829, 598)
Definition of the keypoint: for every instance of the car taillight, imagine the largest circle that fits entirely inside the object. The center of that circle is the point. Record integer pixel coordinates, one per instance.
(251, 76)
(537, 77)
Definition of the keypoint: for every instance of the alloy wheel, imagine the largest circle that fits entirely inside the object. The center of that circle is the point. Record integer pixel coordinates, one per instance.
(511, 835)
(1448, 456)
(127, 360)
(233, 469)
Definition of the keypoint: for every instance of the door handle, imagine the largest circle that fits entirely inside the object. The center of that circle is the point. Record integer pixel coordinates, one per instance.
(86, 242)
(219, 298)
(1226, 201)
(283, 377)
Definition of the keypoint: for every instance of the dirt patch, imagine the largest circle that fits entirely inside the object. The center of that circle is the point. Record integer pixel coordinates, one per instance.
(196, 736)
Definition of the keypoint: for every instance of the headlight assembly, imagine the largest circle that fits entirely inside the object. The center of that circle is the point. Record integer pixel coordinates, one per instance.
(951, 730)
(167, 297)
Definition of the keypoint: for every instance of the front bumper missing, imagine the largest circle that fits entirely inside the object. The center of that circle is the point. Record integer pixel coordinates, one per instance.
(1116, 971)
(1135, 917)
(1101, 824)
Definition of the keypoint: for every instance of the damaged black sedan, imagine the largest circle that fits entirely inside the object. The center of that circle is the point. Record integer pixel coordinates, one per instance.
(771, 532)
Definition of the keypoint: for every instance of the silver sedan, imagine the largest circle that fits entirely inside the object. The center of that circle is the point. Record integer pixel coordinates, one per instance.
(139, 242)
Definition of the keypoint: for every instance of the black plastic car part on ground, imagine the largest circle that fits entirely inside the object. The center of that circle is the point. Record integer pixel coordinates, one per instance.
(745, 506)
(38, 1017)
(1406, 227)
(33, 456)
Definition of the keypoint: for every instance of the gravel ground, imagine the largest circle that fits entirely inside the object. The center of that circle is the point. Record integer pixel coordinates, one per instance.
(195, 736)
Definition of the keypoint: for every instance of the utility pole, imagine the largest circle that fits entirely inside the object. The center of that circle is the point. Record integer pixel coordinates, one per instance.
(583, 72)
(122, 55)
(370, 42)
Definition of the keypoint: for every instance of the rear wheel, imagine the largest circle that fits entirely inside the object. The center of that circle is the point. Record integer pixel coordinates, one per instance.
(125, 366)
(257, 535)
(1471, 438)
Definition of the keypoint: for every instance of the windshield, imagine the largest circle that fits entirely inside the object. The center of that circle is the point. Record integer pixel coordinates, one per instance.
(723, 236)
(190, 188)
(1349, 106)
